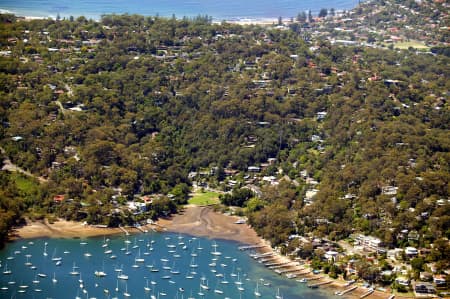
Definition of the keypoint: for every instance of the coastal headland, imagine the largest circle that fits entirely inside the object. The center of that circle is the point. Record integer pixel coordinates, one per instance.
(201, 222)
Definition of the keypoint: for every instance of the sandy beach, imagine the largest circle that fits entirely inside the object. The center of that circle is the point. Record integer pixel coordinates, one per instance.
(195, 221)
(60, 229)
(204, 222)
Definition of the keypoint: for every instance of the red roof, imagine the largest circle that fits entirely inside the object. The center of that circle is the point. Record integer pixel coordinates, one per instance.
(58, 198)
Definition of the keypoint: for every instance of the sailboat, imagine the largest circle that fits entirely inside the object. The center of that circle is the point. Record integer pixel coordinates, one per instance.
(7, 271)
(257, 293)
(278, 296)
(147, 288)
(54, 278)
(56, 258)
(174, 270)
(117, 285)
(193, 264)
(189, 275)
(224, 281)
(122, 276)
(138, 259)
(126, 294)
(74, 271)
(127, 252)
(28, 263)
(200, 293)
(101, 273)
(45, 249)
(215, 252)
(135, 245)
(204, 283)
(218, 291)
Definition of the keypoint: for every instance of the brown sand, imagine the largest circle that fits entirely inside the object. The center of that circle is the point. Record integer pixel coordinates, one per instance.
(204, 222)
(60, 229)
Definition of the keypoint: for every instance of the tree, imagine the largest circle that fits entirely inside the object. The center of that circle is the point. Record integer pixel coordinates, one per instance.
(323, 13)
(332, 12)
(301, 17)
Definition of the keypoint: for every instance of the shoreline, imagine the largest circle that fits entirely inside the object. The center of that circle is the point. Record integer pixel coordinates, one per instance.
(199, 222)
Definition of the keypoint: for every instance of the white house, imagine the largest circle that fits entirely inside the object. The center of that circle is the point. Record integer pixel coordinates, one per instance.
(411, 251)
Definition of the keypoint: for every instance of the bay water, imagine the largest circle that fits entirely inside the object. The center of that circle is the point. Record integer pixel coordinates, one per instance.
(144, 265)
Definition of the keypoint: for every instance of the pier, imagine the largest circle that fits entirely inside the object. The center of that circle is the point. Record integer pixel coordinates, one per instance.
(251, 247)
(316, 285)
(261, 255)
(366, 294)
(140, 229)
(342, 293)
(124, 230)
(282, 265)
(267, 260)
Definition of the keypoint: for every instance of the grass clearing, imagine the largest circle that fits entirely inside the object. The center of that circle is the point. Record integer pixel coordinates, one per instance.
(204, 198)
(25, 184)
(413, 44)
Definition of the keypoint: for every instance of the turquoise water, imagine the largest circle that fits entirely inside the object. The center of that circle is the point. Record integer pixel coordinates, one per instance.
(219, 10)
(188, 261)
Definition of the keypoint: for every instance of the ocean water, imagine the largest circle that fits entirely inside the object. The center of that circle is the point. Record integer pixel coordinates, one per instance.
(183, 263)
(218, 9)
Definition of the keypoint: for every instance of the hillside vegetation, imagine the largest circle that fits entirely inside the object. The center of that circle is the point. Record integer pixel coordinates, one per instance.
(131, 105)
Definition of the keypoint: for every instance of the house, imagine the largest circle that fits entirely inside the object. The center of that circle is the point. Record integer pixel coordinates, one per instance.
(389, 190)
(254, 169)
(426, 276)
(413, 236)
(370, 243)
(411, 251)
(59, 198)
(439, 280)
(147, 199)
(17, 138)
(331, 256)
(424, 288)
(321, 115)
(393, 254)
(402, 281)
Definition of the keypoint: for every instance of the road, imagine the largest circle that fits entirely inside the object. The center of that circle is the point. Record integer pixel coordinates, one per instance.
(9, 166)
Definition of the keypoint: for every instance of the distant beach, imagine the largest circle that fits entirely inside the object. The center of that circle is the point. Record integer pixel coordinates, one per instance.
(246, 12)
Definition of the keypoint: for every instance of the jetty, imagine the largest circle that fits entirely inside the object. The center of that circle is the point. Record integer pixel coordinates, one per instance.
(369, 292)
(316, 285)
(141, 229)
(277, 265)
(160, 226)
(267, 259)
(124, 230)
(283, 269)
(342, 293)
(257, 256)
(243, 248)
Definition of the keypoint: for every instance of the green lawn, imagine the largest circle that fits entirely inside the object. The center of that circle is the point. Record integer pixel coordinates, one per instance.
(25, 184)
(204, 198)
(413, 44)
